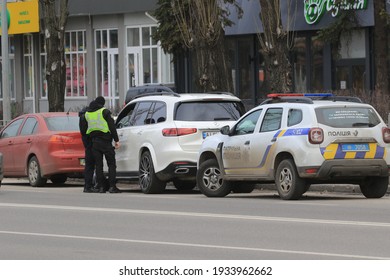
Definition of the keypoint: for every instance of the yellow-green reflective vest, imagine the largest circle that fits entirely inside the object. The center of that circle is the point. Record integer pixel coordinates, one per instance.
(96, 121)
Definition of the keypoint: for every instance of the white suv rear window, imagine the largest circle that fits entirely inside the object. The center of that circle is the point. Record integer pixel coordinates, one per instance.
(347, 117)
(209, 111)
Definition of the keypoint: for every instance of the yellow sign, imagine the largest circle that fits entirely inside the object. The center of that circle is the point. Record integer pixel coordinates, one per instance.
(23, 17)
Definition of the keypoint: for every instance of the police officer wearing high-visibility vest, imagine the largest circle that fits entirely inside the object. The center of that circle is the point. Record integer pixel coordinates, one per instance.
(101, 128)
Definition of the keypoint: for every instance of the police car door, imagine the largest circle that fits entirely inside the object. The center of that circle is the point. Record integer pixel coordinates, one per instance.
(236, 148)
(262, 145)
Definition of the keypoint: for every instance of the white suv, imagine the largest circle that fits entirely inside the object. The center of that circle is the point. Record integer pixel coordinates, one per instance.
(160, 135)
(296, 140)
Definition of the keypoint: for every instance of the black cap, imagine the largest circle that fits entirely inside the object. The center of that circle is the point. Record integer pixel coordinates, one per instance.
(100, 100)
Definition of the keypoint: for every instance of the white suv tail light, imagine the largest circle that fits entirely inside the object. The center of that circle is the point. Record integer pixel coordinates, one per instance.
(178, 131)
(316, 135)
(386, 134)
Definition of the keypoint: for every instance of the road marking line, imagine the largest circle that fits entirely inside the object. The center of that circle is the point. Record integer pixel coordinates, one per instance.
(196, 214)
(194, 245)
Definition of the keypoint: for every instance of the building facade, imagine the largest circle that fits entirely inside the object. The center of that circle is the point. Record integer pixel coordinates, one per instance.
(109, 49)
(317, 66)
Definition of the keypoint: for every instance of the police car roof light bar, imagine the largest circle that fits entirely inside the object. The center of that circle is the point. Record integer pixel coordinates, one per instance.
(278, 95)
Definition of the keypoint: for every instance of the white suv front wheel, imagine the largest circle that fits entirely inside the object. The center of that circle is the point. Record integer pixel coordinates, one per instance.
(210, 181)
(289, 185)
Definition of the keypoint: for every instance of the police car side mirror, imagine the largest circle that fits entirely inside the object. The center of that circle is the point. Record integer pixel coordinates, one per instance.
(225, 130)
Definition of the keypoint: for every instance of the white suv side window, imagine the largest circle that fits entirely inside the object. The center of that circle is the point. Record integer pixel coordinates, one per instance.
(159, 112)
(124, 117)
(141, 113)
(272, 119)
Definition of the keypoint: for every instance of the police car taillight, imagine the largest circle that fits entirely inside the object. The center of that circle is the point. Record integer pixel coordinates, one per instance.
(386, 134)
(316, 135)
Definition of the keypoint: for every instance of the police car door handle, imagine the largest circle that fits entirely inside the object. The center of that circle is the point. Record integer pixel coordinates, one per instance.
(274, 139)
(247, 142)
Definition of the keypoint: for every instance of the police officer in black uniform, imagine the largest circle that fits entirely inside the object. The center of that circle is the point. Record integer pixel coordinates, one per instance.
(89, 167)
(101, 128)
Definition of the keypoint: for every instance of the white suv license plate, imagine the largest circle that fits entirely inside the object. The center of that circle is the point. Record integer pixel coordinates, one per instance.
(355, 147)
(208, 133)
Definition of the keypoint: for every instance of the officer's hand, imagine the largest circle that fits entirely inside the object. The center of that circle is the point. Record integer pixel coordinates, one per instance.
(117, 145)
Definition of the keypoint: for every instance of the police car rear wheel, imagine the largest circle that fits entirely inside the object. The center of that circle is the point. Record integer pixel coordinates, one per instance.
(374, 187)
(289, 185)
(209, 180)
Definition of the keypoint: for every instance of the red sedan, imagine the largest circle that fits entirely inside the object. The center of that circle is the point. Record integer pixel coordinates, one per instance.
(43, 146)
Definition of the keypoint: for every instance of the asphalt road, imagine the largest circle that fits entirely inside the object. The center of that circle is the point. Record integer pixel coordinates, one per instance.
(62, 223)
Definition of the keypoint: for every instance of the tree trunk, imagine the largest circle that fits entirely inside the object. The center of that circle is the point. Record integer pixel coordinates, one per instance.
(381, 48)
(275, 48)
(54, 30)
(212, 68)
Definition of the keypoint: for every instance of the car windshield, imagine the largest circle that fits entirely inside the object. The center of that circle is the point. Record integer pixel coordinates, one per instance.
(347, 117)
(209, 111)
(62, 123)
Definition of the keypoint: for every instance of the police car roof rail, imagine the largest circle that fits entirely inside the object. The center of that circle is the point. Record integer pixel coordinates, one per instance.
(344, 98)
(307, 98)
(287, 99)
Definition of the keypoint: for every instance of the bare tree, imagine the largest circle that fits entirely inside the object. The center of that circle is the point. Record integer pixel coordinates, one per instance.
(200, 24)
(276, 43)
(55, 17)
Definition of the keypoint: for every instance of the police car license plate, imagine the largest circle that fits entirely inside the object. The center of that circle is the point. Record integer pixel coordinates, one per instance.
(355, 147)
(82, 161)
(208, 133)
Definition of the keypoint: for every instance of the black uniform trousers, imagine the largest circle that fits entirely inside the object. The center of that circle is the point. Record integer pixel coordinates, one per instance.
(104, 148)
(89, 167)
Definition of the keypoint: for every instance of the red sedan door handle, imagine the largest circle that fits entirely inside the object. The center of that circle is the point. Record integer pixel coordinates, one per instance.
(10, 143)
(29, 140)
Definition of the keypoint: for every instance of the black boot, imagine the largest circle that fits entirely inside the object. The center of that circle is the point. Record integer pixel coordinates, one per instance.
(114, 190)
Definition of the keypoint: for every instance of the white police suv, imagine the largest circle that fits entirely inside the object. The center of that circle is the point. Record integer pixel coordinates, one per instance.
(296, 140)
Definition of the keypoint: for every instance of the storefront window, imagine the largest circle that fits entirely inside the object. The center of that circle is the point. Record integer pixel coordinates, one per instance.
(350, 62)
(245, 68)
(300, 75)
(75, 54)
(147, 62)
(107, 66)
(317, 65)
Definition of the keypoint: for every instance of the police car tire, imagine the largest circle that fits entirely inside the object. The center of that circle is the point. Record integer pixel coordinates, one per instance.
(148, 180)
(374, 187)
(289, 185)
(34, 173)
(209, 180)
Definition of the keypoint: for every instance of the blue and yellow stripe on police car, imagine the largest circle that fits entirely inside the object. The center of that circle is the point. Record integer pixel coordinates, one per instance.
(334, 151)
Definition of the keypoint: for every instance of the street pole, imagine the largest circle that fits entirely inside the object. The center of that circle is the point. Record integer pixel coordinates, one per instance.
(5, 64)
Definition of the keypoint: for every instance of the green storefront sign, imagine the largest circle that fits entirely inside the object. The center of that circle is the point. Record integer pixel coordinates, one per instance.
(315, 9)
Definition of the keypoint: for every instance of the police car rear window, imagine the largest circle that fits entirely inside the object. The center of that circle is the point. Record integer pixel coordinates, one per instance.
(348, 117)
(209, 111)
